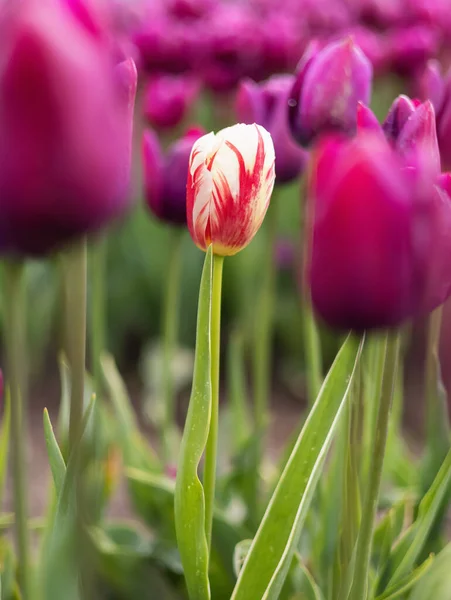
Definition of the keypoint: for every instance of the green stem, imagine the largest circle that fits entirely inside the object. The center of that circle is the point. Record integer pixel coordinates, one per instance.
(313, 358)
(170, 333)
(15, 339)
(264, 327)
(98, 309)
(433, 373)
(212, 442)
(76, 271)
(359, 589)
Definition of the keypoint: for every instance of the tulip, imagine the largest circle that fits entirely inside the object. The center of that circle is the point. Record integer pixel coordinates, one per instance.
(429, 84)
(329, 84)
(66, 121)
(266, 104)
(232, 46)
(168, 99)
(230, 181)
(367, 120)
(165, 175)
(377, 231)
(401, 109)
(419, 133)
(411, 47)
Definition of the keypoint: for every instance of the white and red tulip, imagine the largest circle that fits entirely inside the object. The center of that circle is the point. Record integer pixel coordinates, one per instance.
(230, 181)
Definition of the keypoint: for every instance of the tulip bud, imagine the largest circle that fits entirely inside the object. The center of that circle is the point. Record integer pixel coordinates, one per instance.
(327, 89)
(165, 175)
(266, 104)
(401, 109)
(168, 99)
(66, 123)
(419, 133)
(372, 260)
(444, 125)
(230, 181)
(367, 120)
(430, 85)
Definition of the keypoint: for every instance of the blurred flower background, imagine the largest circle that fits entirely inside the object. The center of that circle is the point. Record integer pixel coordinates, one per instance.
(204, 65)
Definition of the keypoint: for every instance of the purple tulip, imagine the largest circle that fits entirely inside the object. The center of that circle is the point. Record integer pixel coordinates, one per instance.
(168, 99)
(428, 84)
(66, 120)
(165, 175)
(233, 47)
(367, 120)
(374, 223)
(411, 47)
(328, 86)
(401, 109)
(266, 104)
(419, 134)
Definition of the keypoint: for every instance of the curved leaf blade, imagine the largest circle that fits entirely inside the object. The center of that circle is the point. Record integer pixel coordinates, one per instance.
(269, 558)
(189, 493)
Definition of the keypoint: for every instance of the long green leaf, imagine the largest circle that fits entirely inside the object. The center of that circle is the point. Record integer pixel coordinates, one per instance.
(189, 493)
(4, 441)
(270, 556)
(405, 554)
(436, 583)
(56, 460)
(406, 583)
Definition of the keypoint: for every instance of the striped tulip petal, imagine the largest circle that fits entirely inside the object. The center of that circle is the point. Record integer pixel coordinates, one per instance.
(230, 181)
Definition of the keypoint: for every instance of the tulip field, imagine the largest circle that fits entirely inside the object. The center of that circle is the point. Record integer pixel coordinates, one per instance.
(225, 242)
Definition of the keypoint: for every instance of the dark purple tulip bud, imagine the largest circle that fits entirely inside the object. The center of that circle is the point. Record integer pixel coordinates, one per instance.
(328, 87)
(66, 120)
(429, 84)
(444, 125)
(373, 223)
(168, 99)
(419, 134)
(266, 104)
(165, 175)
(401, 109)
(436, 209)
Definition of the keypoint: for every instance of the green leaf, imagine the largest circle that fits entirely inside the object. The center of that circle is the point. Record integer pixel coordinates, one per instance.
(304, 583)
(406, 583)
(269, 559)
(387, 533)
(405, 554)
(56, 460)
(60, 553)
(189, 493)
(4, 441)
(436, 583)
(137, 452)
(7, 570)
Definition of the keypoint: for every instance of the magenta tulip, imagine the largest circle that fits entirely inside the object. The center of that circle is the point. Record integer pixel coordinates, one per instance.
(266, 104)
(378, 227)
(168, 99)
(165, 175)
(66, 121)
(329, 84)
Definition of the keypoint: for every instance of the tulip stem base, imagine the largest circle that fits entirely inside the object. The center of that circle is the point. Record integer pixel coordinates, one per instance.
(76, 287)
(98, 331)
(212, 442)
(359, 589)
(170, 335)
(16, 364)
